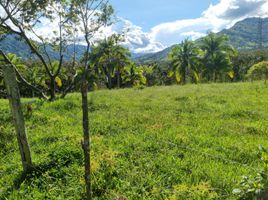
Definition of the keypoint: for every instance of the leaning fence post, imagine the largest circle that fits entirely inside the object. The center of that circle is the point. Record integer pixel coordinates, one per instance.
(17, 114)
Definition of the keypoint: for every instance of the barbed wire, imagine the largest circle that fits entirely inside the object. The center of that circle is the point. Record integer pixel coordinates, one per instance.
(184, 147)
(217, 157)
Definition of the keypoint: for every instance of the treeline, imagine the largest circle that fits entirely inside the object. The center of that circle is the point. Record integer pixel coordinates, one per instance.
(211, 59)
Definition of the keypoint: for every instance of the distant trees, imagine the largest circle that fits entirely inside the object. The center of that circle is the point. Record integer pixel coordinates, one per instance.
(210, 58)
(135, 75)
(244, 60)
(112, 63)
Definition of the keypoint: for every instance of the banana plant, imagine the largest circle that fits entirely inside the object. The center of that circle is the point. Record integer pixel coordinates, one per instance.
(134, 75)
(21, 72)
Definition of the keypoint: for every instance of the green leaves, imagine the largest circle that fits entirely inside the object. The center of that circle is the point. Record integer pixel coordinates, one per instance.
(259, 71)
(184, 58)
(254, 187)
(109, 59)
(217, 55)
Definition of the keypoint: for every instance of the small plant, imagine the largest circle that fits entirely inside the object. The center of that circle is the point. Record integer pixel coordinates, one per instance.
(255, 187)
(202, 190)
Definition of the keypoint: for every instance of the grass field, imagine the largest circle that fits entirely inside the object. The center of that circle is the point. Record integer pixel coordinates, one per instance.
(157, 143)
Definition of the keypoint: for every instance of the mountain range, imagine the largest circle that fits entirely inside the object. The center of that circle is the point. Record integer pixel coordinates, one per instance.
(249, 34)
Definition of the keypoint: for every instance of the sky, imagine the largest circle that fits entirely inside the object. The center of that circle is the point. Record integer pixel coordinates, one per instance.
(149, 13)
(156, 24)
(153, 25)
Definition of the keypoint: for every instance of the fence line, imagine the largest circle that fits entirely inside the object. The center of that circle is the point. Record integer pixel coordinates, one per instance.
(217, 157)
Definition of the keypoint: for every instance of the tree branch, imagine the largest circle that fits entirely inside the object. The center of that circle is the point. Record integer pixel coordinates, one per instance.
(22, 78)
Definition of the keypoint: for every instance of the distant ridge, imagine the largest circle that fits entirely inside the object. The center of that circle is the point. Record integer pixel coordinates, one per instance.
(11, 44)
(249, 34)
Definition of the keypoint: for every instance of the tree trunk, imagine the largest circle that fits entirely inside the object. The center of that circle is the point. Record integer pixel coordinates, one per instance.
(118, 79)
(86, 142)
(16, 109)
(109, 81)
(52, 88)
(215, 76)
(183, 77)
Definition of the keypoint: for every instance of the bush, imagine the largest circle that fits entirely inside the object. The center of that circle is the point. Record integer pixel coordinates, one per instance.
(259, 71)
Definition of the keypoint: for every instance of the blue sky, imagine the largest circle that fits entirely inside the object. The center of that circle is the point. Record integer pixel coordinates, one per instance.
(149, 13)
(156, 24)
(153, 25)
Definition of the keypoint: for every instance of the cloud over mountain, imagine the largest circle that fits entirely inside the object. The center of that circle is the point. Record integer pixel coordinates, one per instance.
(215, 18)
(222, 15)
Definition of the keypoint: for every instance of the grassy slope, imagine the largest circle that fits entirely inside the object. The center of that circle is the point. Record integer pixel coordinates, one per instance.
(132, 156)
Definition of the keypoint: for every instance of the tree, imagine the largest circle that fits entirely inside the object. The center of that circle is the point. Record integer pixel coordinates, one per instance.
(134, 75)
(91, 15)
(24, 75)
(259, 71)
(110, 58)
(23, 17)
(244, 60)
(217, 55)
(184, 61)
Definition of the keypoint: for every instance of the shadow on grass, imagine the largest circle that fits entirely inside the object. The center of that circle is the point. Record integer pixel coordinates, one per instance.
(56, 160)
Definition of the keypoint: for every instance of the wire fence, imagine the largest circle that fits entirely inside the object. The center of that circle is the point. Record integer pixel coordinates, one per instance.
(170, 143)
(175, 145)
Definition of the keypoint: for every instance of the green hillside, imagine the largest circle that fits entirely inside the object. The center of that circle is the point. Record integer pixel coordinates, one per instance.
(12, 44)
(190, 142)
(249, 34)
(244, 35)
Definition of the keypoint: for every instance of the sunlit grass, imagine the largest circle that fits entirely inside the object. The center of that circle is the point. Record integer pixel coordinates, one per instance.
(156, 143)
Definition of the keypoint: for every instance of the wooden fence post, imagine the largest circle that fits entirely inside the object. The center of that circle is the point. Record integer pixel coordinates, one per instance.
(17, 114)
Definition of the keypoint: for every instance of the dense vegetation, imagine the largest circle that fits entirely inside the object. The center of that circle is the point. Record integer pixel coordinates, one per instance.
(245, 36)
(191, 142)
(181, 142)
(111, 67)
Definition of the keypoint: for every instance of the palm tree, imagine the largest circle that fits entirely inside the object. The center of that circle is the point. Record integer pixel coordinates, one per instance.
(122, 59)
(184, 61)
(217, 53)
(110, 58)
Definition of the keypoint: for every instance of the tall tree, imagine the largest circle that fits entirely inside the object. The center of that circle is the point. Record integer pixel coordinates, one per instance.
(91, 15)
(23, 18)
(184, 61)
(217, 55)
(111, 59)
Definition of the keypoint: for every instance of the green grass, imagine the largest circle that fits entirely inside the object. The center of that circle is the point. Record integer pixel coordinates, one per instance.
(156, 143)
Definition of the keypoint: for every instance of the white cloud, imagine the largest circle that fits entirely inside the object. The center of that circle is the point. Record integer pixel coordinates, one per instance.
(137, 40)
(193, 35)
(217, 17)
